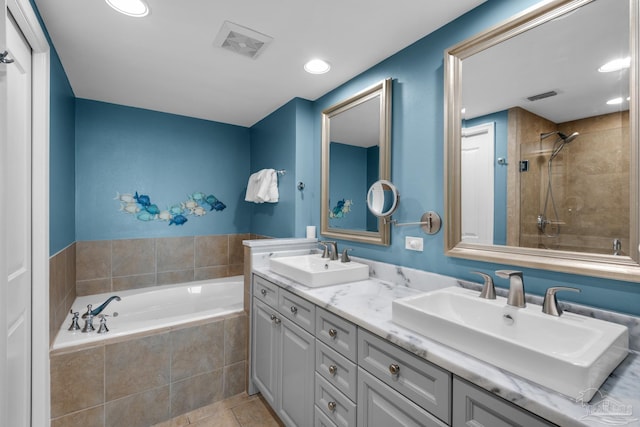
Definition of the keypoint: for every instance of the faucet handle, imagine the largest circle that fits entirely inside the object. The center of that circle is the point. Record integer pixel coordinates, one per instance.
(325, 250)
(74, 321)
(488, 290)
(345, 255)
(506, 274)
(103, 324)
(550, 304)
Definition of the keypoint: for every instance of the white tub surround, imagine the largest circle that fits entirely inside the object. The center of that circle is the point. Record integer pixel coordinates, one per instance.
(368, 305)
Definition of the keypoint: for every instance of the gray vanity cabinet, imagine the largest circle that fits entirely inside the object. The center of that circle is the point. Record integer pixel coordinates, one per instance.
(473, 406)
(282, 358)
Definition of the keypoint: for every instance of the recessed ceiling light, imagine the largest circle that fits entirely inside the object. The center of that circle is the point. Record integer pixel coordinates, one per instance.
(615, 101)
(135, 8)
(317, 66)
(616, 65)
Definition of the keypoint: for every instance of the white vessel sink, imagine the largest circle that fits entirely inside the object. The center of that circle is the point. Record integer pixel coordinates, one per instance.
(315, 271)
(570, 354)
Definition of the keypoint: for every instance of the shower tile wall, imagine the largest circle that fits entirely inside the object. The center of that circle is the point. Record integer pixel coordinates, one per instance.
(590, 180)
(114, 265)
(149, 379)
(62, 287)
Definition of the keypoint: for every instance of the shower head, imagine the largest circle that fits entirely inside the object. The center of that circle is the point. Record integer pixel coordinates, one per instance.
(567, 139)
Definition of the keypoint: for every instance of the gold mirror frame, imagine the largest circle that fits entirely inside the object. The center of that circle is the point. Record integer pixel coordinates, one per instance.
(383, 91)
(598, 265)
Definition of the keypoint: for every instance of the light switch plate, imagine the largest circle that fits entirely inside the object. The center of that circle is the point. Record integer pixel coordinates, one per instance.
(414, 243)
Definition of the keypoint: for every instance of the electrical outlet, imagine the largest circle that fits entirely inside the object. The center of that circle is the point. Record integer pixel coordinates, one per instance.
(414, 243)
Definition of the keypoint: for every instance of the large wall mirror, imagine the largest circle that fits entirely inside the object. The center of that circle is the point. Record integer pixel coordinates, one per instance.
(356, 150)
(541, 134)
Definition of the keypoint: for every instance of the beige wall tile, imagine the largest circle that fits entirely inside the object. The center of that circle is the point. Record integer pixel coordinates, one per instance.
(171, 277)
(133, 282)
(235, 379)
(93, 259)
(91, 287)
(236, 248)
(197, 350)
(236, 269)
(92, 417)
(133, 257)
(195, 392)
(175, 253)
(68, 373)
(57, 278)
(212, 251)
(235, 339)
(70, 285)
(139, 410)
(136, 365)
(205, 273)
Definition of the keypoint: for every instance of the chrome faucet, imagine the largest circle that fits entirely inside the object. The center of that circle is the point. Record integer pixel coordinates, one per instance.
(516, 296)
(101, 307)
(550, 304)
(330, 250)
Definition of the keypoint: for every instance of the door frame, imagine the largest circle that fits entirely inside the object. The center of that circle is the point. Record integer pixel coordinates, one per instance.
(29, 24)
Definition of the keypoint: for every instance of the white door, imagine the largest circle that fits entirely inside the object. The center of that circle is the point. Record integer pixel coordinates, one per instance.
(16, 229)
(477, 179)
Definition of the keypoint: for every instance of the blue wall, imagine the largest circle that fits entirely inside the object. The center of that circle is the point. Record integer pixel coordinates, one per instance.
(348, 182)
(417, 161)
(273, 146)
(164, 156)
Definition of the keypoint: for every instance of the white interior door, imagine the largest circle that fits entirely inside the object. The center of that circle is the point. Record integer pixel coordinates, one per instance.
(16, 198)
(477, 182)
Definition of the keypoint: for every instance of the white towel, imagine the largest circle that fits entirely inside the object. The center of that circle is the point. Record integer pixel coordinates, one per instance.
(263, 187)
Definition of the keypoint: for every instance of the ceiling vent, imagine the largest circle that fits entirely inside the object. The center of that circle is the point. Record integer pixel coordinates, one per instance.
(542, 95)
(242, 40)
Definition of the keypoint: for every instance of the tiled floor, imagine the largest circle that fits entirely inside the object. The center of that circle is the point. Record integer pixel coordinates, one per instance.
(241, 410)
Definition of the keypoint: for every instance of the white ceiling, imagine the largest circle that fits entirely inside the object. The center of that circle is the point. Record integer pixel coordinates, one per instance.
(561, 55)
(167, 61)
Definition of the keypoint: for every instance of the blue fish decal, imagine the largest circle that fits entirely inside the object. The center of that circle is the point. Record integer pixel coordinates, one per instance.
(197, 196)
(218, 205)
(145, 216)
(153, 209)
(178, 220)
(210, 199)
(142, 199)
(175, 209)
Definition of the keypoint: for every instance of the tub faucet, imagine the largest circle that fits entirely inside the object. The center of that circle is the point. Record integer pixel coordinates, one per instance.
(101, 307)
(516, 296)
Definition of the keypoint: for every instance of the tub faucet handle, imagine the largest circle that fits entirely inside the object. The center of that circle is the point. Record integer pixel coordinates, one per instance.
(74, 321)
(488, 290)
(103, 324)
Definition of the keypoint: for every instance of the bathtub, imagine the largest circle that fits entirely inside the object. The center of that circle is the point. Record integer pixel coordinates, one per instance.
(149, 309)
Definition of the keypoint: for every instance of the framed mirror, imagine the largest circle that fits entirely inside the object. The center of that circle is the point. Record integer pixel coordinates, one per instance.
(541, 141)
(356, 152)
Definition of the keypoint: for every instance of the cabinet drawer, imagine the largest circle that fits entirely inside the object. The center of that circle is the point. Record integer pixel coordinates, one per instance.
(321, 420)
(265, 291)
(381, 406)
(337, 370)
(337, 333)
(475, 406)
(335, 405)
(298, 310)
(424, 383)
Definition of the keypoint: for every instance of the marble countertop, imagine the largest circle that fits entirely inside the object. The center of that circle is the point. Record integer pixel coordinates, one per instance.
(367, 303)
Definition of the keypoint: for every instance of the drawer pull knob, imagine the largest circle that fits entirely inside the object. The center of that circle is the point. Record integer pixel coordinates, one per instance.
(273, 317)
(333, 369)
(263, 292)
(277, 321)
(294, 309)
(333, 333)
(394, 369)
(331, 406)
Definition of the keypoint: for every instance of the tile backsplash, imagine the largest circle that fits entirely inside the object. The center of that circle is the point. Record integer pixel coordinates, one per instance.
(114, 265)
